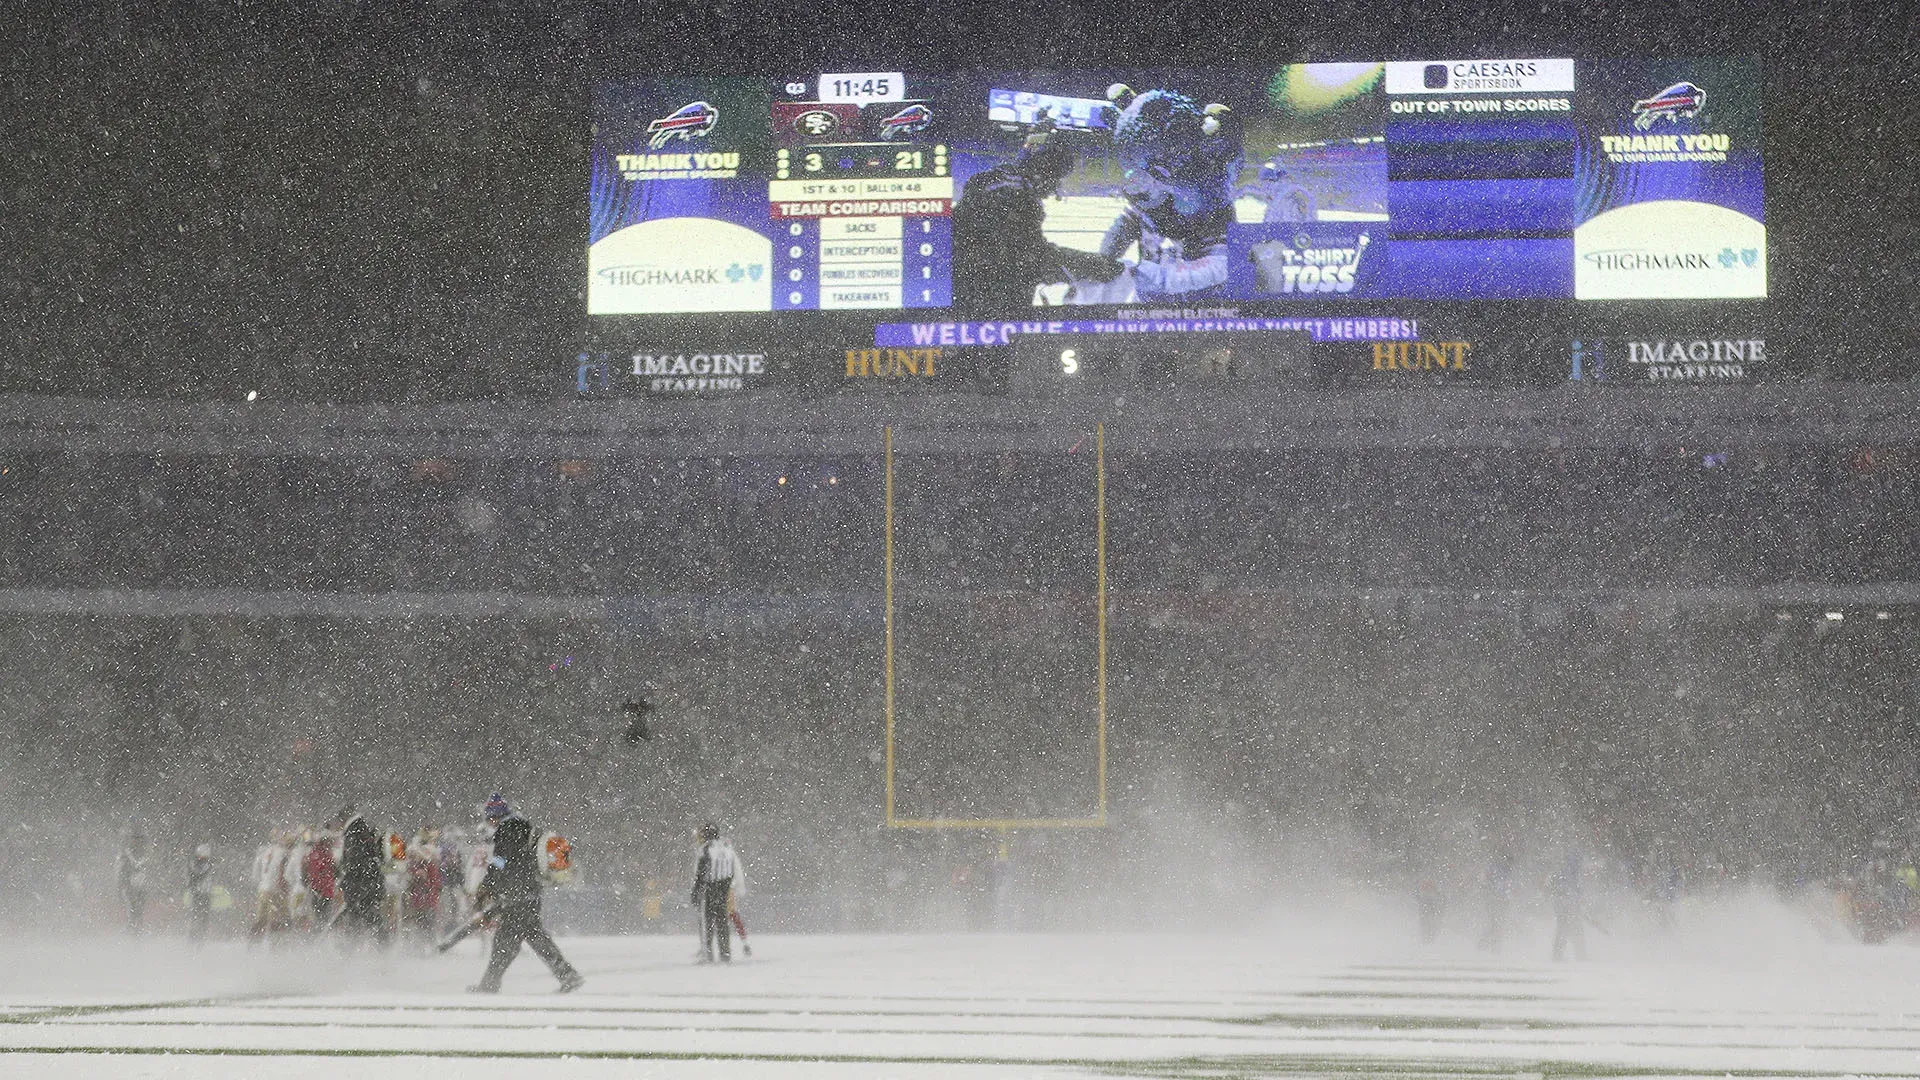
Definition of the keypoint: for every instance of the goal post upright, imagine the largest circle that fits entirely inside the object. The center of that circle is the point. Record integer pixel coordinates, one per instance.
(1100, 616)
(889, 619)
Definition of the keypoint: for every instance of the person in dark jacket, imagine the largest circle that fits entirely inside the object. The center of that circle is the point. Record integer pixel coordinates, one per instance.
(512, 889)
(362, 878)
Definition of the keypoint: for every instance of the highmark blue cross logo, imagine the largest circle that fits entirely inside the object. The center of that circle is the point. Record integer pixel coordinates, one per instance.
(1747, 257)
(751, 273)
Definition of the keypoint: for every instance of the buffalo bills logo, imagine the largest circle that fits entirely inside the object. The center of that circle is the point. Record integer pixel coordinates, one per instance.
(1682, 100)
(906, 123)
(690, 121)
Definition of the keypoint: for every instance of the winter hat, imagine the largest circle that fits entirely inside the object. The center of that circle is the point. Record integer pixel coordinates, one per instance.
(497, 807)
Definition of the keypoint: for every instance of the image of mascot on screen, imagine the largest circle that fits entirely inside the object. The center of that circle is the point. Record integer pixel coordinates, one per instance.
(1146, 193)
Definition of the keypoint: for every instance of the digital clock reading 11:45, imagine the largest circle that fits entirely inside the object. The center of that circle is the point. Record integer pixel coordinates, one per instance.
(861, 87)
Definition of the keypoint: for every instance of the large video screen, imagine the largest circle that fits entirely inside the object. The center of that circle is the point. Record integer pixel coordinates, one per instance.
(993, 194)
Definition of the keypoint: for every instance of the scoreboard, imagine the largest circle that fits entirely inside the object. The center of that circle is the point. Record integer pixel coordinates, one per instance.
(992, 194)
(859, 199)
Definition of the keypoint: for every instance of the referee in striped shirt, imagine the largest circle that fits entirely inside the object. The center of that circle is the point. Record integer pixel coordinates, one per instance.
(712, 884)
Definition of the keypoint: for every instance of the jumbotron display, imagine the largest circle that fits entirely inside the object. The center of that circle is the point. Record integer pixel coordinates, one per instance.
(1442, 180)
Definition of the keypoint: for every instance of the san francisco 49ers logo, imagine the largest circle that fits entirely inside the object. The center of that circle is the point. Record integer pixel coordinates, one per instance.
(816, 123)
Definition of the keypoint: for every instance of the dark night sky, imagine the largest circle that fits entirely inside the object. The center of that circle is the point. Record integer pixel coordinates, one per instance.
(364, 201)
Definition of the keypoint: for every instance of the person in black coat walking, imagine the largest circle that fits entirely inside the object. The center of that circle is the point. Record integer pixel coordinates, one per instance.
(512, 890)
(363, 883)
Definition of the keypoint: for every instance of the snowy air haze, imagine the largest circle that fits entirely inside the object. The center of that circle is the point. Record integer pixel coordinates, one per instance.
(422, 658)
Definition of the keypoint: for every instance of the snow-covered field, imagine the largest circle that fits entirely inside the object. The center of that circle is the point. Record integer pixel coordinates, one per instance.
(1300, 1003)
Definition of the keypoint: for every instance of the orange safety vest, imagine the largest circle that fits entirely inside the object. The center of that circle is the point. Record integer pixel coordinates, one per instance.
(559, 854)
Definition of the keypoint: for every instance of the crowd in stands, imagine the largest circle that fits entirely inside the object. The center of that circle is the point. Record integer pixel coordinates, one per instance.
(1244, 520)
